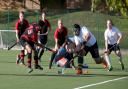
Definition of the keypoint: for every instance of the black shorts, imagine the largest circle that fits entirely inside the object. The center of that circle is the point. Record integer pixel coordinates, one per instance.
(93, 50)
(24, 42)
(113, 47)
(43, 39)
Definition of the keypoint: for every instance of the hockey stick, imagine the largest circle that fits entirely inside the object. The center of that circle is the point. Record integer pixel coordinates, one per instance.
(14, 44)
(109, 49)
(77, 55)
(42, 46)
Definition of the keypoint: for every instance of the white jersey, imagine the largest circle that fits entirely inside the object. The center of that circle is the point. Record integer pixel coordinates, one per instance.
(76, 40)
(83, 32)
(112, 35)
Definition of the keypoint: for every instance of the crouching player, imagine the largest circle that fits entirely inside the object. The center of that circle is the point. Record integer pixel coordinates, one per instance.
(64, 56)
(28, 40)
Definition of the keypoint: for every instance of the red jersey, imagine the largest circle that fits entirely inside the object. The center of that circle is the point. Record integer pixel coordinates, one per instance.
(61, 34)
(21, 26)
(44, 25)
(31, 33)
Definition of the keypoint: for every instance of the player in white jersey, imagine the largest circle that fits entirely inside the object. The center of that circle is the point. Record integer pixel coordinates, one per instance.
(112, 38)
(90, 45)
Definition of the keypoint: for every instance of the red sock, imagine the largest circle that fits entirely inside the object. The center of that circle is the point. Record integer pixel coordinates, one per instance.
(29, 63)
(22, 55)
(29, 59)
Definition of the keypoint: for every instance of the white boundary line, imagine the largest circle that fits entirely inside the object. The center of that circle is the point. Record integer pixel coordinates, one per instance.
(100, 83)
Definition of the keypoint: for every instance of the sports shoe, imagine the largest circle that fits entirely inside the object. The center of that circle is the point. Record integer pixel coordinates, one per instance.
(30, 70)
(79, 71)
(110, 68)
(122, 66)
(22, 62)
(61, 71)
(38, 67)
(18, 59)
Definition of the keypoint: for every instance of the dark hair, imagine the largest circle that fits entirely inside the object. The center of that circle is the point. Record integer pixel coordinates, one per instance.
(76, 27)
(111, 22)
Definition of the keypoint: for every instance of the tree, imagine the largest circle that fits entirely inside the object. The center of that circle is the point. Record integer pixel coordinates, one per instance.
(119, 7)
(42, 4)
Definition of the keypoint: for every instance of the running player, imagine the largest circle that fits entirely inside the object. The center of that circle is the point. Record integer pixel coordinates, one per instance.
(28, 40)
(20, 27)
(89, 45)
(112, 37)
(43, 35)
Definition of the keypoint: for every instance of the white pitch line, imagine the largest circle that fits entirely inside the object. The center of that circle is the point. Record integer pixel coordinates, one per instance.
(100, 83)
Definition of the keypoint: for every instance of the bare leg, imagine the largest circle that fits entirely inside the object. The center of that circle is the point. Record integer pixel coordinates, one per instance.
(108, 60)
(118, 53)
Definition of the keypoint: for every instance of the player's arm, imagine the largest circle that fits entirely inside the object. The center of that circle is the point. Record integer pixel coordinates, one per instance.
(87, 36)
(49, 26)
(78, 45)
(106, 41)
(56, 40)
(106, 45)
(17, 31)
(56, 44)
(44, 33)
(119, 37)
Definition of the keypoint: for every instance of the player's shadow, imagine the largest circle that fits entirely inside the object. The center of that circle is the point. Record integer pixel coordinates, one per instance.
(65, 75)
(52, 75)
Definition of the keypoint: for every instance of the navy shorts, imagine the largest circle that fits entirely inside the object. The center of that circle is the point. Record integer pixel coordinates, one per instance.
(93, 50)
(24, 42)
(43, 39)
(113, 47)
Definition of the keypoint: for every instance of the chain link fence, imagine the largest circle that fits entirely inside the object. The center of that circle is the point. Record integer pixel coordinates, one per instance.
(94, 21)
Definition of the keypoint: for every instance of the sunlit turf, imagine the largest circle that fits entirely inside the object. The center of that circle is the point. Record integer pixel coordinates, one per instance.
(13, 76)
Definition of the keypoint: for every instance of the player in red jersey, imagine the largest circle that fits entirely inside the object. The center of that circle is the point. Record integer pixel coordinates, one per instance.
(43, 35)
(60, 35)
(28, 40)
(20, 27)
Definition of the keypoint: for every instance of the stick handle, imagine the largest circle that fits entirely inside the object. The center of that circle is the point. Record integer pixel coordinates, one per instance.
(38, 44)
(73, 58)
(12, 46)
(50, 49)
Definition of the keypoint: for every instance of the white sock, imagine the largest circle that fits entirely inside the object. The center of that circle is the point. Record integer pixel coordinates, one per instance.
(107, 58)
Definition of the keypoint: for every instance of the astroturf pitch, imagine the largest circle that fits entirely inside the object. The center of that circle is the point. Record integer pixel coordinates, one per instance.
(13, 76)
